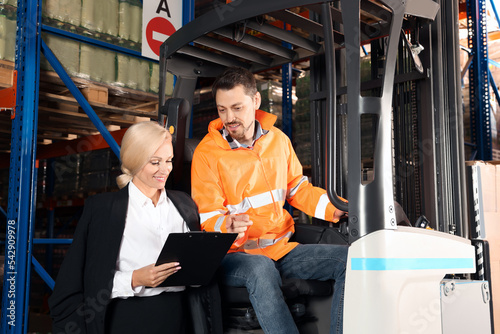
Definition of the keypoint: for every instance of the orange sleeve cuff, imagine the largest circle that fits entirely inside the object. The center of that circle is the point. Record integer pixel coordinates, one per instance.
(209, 224)
(330, 210)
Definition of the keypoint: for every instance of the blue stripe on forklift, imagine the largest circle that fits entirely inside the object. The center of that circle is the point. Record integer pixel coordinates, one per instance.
(411, 263)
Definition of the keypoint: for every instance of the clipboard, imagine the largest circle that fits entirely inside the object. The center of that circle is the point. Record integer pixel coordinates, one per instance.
(199, 255)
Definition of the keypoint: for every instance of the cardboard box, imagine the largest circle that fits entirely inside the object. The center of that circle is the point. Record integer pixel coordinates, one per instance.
(6, 73)
(492, 226)
(488, 183)
(95, 94)
(498, 187)
(497, 165)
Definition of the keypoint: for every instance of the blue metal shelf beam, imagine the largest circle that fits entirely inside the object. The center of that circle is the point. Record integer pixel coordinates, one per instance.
(492, 62)
(479, 79)
(287, 105)
(31, 222)
(495, 89)
(80, 98)
(43, 274)
(493, 6)
(53, 241)
(22, 175)
(188, 16)
(187, 11)
(93, 42)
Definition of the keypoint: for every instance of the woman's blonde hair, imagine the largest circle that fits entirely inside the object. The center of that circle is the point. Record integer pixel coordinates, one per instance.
(139, 144)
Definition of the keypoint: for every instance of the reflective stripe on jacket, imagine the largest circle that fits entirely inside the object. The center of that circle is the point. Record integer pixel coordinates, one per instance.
(255, 182)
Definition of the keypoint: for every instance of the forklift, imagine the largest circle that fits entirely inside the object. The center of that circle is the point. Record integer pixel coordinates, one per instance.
(416, 275)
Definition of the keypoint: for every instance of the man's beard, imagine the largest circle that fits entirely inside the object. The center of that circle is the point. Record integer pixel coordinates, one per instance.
(239, 136)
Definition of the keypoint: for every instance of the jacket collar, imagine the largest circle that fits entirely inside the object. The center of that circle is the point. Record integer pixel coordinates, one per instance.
(265, 119)
(119, 206)
(118, 214)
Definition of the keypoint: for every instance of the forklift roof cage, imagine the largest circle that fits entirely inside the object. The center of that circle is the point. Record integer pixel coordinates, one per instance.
(240, 33)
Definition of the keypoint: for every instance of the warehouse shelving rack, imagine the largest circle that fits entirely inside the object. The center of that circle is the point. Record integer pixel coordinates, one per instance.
(23, 158)
(480, 79)
(22, 177)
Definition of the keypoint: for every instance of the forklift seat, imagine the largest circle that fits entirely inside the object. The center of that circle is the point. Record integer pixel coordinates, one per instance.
(298, 293)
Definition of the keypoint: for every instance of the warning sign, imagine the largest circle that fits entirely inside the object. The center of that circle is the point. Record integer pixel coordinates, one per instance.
(160, 19)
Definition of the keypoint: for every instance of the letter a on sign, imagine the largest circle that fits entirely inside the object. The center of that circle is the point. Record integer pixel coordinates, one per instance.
(160, 19)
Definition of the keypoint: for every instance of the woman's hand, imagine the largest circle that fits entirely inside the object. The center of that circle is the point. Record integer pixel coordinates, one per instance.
(153, 275)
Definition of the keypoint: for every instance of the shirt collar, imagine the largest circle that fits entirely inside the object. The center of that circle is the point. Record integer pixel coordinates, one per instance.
(233, 143)
(138, 197)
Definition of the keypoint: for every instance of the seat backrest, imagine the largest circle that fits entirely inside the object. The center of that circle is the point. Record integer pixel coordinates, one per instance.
(183, 177)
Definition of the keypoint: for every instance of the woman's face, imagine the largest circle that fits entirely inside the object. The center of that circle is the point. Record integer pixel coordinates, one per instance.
(154, 174)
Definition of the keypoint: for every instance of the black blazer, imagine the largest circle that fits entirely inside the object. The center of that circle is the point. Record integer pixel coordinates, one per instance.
(85, 280)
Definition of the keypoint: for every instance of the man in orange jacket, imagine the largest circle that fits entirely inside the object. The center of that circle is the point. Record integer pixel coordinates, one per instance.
(243, 171)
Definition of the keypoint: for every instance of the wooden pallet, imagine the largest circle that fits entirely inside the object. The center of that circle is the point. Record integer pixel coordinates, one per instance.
(61, 118)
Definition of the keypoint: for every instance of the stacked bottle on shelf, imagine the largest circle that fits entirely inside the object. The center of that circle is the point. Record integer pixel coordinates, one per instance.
(117, 22)
(7, 32)
(272, 97)
(301, 121)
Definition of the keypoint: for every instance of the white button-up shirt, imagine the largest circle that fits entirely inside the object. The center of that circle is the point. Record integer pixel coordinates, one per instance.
(146, 229)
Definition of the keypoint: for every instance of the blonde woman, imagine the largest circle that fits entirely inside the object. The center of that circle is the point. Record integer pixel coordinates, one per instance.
(108, 282)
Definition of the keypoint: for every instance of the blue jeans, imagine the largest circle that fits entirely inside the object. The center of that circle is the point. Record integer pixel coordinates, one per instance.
(262, 278)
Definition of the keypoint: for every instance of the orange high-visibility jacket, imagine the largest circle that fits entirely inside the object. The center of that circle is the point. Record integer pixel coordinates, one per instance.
(255, 182)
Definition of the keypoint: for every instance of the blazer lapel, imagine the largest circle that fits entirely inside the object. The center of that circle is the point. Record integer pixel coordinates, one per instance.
(118, 214)
(186, 207)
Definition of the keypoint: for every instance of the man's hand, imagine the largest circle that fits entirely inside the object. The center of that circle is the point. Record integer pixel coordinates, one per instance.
(153, 275)
(238, 224)
(339, 214)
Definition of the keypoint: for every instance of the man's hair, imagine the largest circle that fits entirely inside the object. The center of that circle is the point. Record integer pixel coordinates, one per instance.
(234, 76)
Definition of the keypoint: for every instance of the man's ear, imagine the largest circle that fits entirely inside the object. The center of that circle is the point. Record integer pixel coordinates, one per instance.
(257, 99)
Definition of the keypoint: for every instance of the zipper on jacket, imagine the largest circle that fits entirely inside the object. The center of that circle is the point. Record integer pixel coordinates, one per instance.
(276, 208)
